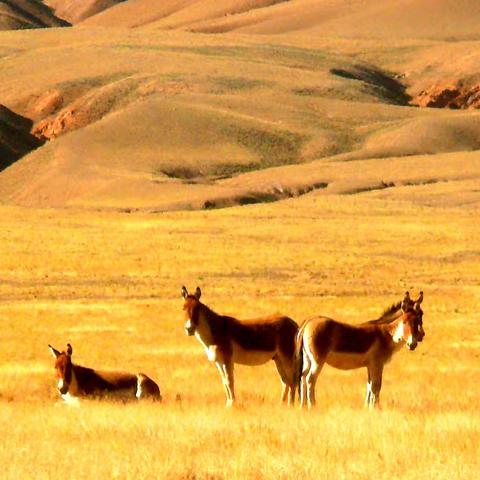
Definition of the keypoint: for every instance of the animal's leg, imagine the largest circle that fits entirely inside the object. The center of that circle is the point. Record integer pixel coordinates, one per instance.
(303, 391)
(220, 367)
(303, 379)
(368, 397)
(376, 385)
(311, 380)
(286, 375)
(291, 395)
(230, 384)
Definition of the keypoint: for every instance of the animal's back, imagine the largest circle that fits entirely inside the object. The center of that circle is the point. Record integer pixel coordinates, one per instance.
(267, 333)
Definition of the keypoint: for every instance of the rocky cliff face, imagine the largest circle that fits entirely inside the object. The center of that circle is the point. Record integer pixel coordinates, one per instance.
(453, 94)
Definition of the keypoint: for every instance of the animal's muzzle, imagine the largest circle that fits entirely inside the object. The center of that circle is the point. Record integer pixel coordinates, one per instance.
(412, 346)
(63, 389)
(190, 330)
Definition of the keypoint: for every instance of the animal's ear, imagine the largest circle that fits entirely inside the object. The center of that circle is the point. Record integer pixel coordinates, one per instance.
(54, 351)
(69, 350)
(407, 302)
(184, 292)
(419, 299)
(198, 293)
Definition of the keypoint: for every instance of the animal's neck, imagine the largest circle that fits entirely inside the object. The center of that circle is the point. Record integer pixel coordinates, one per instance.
(210, 326)
(203, 331)
(395, 330)
(76, 382)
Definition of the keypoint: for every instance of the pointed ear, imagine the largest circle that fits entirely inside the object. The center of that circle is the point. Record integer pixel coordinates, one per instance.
(54, 351)
(198, 293)
(184, 292)
(419, 300)
(69, 350)
(407, 302)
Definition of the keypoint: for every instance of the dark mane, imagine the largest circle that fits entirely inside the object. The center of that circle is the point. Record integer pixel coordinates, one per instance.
(387, 315)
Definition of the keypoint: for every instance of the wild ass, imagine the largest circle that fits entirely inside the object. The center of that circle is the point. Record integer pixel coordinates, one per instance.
(371, 344)
(227, 341)
(74, 381)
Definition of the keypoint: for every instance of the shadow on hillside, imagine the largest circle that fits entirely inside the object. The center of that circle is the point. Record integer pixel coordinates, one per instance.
(15, 137)
(381, 84)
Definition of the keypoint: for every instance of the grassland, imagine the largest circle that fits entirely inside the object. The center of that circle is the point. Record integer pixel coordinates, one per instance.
(149, 131)
(110, 284)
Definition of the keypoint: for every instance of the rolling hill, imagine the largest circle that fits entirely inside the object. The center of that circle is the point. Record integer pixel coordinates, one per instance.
(340, 18)
(161, 118)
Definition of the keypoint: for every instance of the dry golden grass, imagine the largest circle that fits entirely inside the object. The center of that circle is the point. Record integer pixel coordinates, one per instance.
(110, 284)
(172, 120)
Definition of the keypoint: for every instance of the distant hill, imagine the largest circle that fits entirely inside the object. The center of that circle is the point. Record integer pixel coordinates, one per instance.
(22, 14)
(367, 18)
(75, 11)
(174, 13)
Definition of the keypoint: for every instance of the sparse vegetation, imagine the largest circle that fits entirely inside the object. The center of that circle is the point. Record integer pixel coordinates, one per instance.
(275, 147)
(238, 83)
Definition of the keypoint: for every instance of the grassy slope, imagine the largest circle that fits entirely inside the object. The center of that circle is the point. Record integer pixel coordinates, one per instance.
(110, 283)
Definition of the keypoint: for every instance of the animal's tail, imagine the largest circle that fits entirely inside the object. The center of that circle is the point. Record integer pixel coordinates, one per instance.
(298, 358)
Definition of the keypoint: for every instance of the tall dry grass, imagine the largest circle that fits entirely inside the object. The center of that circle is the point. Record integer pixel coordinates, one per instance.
(110, 285)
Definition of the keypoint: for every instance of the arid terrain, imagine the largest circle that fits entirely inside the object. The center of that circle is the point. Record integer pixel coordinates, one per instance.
(305, 157)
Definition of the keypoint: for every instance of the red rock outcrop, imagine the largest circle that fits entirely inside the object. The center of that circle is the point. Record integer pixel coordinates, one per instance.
(456, 94)
(89, 107)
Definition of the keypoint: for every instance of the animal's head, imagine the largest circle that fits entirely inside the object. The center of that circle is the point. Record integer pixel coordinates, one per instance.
(63, 368)
(410, 325)
(191, 307)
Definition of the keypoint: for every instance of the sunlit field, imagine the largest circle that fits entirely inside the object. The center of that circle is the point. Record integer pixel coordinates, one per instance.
(110, 284)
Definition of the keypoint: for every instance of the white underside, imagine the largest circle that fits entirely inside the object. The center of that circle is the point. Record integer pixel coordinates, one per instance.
(251, 357)
(239, 354)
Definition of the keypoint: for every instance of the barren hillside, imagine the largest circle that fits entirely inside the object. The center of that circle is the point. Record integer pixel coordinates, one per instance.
(22, 14)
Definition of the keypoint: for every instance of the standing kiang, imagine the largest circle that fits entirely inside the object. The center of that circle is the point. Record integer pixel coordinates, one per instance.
(370, 344)
(228, 340)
